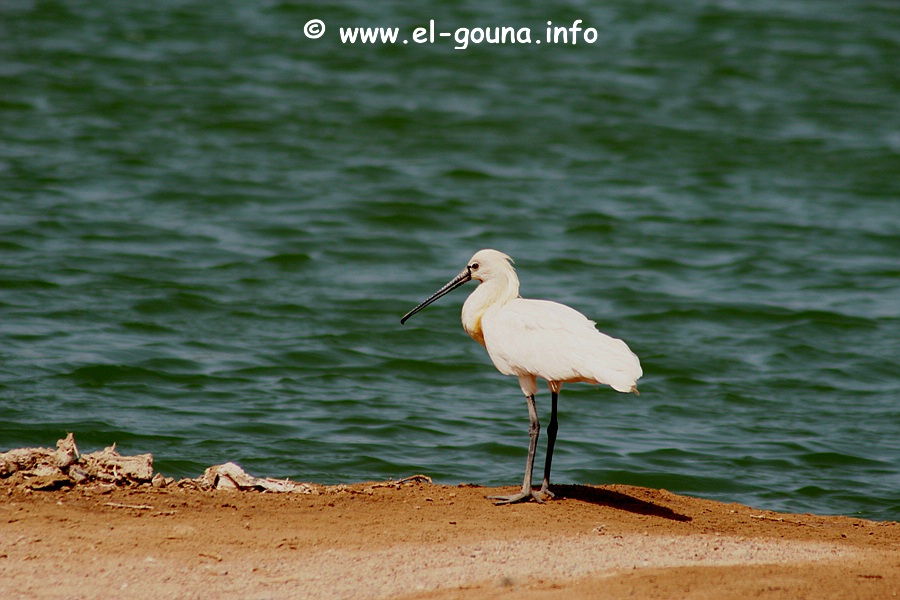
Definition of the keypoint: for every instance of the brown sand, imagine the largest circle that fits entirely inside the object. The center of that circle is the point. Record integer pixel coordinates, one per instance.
(429, 541)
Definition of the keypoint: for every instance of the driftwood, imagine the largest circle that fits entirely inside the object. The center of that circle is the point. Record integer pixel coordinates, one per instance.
(49, 469)
(45, 468)
(231, 477)
(109, 465)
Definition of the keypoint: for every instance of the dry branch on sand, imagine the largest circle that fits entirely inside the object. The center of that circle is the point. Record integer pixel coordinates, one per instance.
(231, 477)
(49, 469)
(46, 469)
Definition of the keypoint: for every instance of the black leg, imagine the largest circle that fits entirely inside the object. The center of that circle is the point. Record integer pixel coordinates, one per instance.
(551, 440)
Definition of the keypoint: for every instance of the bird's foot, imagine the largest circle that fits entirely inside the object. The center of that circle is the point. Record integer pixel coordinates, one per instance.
(523, 496)
(546, 493)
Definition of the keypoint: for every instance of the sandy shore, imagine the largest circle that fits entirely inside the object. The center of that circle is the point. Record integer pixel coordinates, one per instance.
(419, 540)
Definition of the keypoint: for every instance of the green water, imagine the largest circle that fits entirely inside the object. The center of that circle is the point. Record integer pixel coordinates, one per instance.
(211, 225)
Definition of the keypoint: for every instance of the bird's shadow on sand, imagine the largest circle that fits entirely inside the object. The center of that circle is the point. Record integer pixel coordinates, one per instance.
(617, 500)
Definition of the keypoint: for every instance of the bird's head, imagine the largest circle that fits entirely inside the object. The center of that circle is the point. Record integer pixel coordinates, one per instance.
(484, 265)
(487, 264)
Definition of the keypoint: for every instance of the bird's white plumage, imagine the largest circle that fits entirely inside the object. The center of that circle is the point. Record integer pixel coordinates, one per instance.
(539, 338)
(556, 343)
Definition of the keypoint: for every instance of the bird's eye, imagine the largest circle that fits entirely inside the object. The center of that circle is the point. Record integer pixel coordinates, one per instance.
(474, 266)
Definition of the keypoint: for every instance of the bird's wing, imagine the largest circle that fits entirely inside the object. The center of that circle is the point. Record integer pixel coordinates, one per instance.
(556, 343)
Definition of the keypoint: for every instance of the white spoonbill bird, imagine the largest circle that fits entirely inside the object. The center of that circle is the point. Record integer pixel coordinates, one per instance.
(536, 338)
